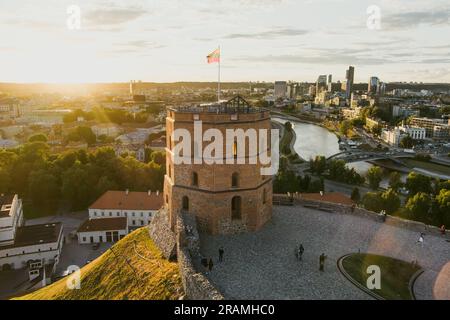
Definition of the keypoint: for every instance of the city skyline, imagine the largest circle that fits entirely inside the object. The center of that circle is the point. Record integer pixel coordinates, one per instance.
(260, 41)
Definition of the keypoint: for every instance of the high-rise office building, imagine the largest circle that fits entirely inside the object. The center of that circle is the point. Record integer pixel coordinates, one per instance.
(292, 90)
(349, 76)
(330, 83)
(373, 85)
(280, 89)
(381, 88)
(321, 83)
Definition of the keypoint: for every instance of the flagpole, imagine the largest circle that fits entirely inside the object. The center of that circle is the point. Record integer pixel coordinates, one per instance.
(218, 83)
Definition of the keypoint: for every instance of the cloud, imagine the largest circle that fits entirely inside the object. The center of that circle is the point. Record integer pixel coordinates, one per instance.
(270, 34)
(113, 16)
(329, 59)
(262, 35)
(435, 17)
(142, 44)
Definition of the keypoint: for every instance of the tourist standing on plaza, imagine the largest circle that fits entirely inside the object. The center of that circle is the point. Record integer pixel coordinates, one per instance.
(421, 239)
(443, 229)
(210, 264)
(322, 261)
(300, 251)
(221, 254)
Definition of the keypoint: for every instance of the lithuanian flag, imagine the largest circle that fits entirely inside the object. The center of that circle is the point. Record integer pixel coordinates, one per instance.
(214, 56)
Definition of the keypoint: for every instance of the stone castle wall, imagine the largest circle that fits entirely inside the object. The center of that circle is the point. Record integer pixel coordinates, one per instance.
(184, 245)
(161, 234)
(361, 212)
(196, 285)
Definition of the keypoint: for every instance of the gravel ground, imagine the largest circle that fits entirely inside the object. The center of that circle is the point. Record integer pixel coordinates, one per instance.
(262, 265)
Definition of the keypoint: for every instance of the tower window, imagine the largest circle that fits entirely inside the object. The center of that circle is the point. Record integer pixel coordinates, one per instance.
(185, 203)
(195, 179)
(235, 149)
(264, 198)
(235, 180)
(236, 208)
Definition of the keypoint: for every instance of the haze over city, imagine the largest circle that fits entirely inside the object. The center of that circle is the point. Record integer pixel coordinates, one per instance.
(167, 41)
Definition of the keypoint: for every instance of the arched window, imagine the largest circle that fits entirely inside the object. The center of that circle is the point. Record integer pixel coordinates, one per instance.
(195, 179)
(185, 203)
(236, 208)
(235, 180)
(235, 149)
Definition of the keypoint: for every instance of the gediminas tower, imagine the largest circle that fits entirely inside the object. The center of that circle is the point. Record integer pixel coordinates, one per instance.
(225, 198)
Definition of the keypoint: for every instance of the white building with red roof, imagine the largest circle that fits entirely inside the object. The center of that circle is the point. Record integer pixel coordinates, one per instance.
(115, 213)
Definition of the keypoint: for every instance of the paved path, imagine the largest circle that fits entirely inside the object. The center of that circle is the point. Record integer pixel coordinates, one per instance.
(262, 265)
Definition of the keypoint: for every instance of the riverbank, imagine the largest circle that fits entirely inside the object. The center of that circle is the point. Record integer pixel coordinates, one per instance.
(288, 139)
(292, 117)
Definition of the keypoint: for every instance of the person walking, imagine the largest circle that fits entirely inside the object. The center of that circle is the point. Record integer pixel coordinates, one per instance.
(443, 229)
(300, 251)
(221, 254)
(421, 240)
(210, 264)
(322, 262)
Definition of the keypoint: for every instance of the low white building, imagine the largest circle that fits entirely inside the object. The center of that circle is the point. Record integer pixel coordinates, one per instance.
(106, 129)
(11, 217)
(115, 213)
(37, 242)
(395, 135)
(21, 244)
(137, 207)
(102, 230)
(416, 133)
(392, 136)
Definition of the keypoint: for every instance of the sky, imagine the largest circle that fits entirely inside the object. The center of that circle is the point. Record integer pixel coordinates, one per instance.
(260, 40)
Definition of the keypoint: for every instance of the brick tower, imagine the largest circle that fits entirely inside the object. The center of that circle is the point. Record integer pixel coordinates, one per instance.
(225, 198)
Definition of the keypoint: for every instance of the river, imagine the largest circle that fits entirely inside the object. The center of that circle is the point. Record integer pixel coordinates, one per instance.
(312, 140)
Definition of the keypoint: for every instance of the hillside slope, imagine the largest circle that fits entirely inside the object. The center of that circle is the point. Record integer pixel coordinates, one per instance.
(147, 275)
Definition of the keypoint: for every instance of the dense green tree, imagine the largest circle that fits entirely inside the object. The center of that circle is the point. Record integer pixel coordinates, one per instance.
(356, 196)
(443, 203)
(374, 177)
(372, 201)
(419, 205)
(344, 127)
(395, 181)
(390, 201)
(5, 181)
(76, 187)
(438, 185)
(285, 181)
(43, 188)
(318, 164)
(158, 157)
(407, 142)
(38, 137)
(82, 133)
(339, 172)
(416, 182)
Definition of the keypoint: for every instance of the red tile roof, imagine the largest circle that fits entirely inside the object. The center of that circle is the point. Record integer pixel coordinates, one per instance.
(335, 197)
(104, 224)
(131, 201)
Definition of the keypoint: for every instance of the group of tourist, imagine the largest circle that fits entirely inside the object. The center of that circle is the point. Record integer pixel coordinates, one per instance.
(299, 254)
(208, 263)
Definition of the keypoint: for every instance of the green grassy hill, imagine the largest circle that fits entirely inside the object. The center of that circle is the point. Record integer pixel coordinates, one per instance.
(147, 275)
